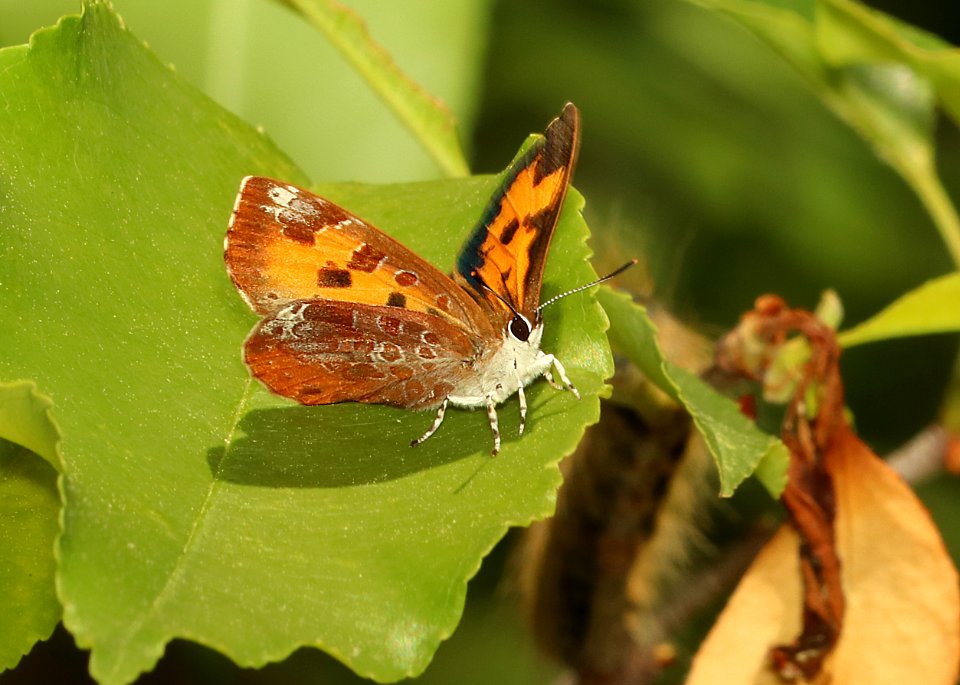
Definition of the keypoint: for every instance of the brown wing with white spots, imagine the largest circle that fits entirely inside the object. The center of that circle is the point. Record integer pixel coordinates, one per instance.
(285, 244)
(323, 352)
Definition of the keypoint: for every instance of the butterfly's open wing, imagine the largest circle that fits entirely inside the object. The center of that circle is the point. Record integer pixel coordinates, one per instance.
(508, 248)
(285, 244)
(322, 352)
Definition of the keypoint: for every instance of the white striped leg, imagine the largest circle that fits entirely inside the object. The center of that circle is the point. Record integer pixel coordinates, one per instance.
(436, 424)
(562, 372)
(523, 405)
(553, 384)
(494, 426)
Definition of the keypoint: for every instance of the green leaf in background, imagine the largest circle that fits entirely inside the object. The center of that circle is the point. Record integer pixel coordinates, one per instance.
(431, 123)
(850, 32)
(934, 307)
(29, 506)
(865, 67)
(273, 68)
(197, 505)
(738, 446)
(25, 418)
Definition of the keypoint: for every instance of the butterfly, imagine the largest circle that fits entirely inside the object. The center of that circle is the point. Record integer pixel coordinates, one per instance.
(352, 315)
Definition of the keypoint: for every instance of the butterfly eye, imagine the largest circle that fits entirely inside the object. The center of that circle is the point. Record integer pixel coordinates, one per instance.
(520, 328)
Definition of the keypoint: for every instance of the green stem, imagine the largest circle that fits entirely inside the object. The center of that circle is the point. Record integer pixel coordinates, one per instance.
(926, 184)
(428, 119)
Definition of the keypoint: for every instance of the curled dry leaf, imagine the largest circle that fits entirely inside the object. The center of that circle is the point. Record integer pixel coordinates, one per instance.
(761, 348)
(858, 587)
(902, 620)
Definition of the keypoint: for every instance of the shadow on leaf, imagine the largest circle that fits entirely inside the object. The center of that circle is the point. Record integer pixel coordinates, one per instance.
(331, 447)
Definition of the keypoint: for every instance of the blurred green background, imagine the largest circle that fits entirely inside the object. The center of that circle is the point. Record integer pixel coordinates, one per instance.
(703, 153)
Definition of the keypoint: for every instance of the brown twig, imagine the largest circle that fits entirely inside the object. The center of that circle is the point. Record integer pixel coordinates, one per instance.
(921, 457)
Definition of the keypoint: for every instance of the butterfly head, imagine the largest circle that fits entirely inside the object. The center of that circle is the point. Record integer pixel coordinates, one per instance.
(520, 327)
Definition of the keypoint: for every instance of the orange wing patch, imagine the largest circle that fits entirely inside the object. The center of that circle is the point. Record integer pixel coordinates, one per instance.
(508, 249)
(514, 234)
(286, 244)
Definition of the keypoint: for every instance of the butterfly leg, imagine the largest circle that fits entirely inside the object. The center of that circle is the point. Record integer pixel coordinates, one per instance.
(494, 425)
(436, 424)
(562, 372)
(553, 384)
(523, 405)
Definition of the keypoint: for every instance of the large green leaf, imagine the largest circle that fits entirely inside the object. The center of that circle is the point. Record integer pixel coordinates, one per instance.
(198, 505)
(29, 505)
(738, 446)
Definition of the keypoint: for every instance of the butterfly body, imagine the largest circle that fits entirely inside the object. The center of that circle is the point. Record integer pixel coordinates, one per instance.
(350, 314)
(504, 372)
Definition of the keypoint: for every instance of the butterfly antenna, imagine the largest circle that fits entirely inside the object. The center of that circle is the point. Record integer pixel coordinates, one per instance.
(588, 285)
(494, 293)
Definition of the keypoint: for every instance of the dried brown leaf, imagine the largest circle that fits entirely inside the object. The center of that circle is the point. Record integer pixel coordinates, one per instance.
(902, 621)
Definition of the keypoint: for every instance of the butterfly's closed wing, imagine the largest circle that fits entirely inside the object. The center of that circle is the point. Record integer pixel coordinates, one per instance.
(322, 352)
(285, 244)
(508, 248)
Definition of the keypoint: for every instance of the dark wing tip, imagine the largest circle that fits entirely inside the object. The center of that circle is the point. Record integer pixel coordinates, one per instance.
(561, 141)
(570, 114)
(567, 125)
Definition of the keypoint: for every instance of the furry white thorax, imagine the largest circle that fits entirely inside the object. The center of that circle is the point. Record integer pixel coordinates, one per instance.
(514, 364)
